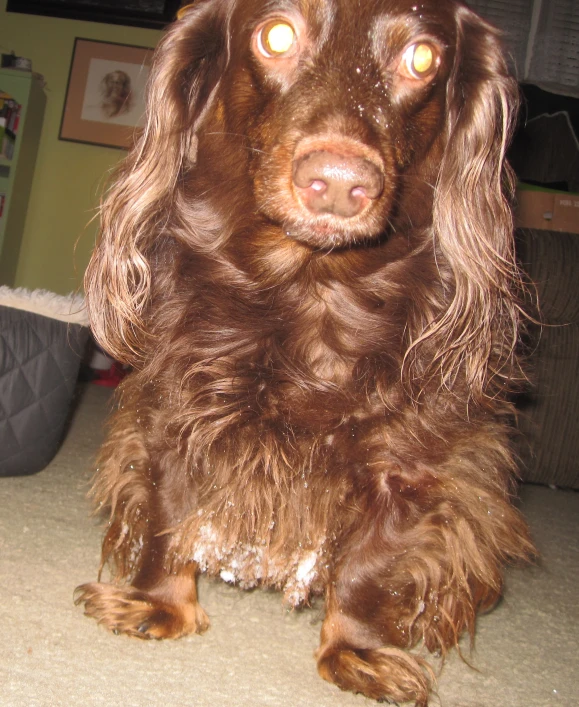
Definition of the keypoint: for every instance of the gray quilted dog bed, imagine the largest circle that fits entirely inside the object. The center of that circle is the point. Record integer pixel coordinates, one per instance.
(42, 338)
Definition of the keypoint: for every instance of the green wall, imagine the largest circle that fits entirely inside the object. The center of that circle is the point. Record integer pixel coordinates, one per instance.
(58, 236)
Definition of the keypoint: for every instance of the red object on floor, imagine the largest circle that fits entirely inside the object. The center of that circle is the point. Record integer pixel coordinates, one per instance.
(110, 377)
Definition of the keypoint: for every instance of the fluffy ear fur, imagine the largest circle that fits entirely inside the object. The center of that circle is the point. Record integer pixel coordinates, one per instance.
(184, 79)
(472, 220)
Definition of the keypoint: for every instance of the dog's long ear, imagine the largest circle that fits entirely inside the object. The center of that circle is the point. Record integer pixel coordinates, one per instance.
(184, 79)
(472, 217)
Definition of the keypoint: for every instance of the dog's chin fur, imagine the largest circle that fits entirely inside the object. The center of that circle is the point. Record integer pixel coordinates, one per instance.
(329, 234)
(320, 396)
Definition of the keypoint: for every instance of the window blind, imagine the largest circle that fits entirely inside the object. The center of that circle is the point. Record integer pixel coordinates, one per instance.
(542, 38)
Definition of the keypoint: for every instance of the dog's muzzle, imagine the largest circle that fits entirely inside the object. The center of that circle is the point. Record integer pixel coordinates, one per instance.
(336, 184)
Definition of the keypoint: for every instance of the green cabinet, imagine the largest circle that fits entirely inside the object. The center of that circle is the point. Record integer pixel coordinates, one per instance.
(16, 174)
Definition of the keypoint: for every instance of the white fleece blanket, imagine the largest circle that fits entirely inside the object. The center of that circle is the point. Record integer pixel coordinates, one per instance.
(66, 308)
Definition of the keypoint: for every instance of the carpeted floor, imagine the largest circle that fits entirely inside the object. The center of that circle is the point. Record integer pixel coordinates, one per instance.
(256, 653)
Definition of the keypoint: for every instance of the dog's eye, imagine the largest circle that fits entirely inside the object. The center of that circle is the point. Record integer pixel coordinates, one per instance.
(420, 60)
(276, 38)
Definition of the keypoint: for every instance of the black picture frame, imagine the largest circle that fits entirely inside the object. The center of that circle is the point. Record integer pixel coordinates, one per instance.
(153, 14)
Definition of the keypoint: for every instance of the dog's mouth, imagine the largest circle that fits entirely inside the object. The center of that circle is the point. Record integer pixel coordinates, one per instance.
(327, 232)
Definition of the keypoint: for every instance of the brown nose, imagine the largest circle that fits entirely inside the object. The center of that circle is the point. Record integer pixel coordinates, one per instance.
(336, 184)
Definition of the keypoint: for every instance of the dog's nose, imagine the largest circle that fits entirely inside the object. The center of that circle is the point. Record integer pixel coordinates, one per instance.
(336, 184)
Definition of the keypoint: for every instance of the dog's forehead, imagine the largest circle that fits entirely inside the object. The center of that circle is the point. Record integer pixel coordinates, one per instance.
(359, 24)
(359, 12)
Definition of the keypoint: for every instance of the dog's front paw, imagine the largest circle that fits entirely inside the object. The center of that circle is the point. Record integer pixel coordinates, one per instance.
(384, 674)
(139, 613)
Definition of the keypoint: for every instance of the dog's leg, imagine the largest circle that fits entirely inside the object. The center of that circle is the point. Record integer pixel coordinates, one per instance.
(412, 575)
(362, 649)
(353, 655)
(148, 597)
(169, 609)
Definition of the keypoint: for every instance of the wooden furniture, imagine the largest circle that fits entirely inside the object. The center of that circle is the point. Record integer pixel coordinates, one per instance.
(16, 174)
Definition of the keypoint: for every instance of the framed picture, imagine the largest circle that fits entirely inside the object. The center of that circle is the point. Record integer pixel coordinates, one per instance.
(105, 97)
(140, 13)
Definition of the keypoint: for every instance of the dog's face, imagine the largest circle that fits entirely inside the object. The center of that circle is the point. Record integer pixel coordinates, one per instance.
(332, 103)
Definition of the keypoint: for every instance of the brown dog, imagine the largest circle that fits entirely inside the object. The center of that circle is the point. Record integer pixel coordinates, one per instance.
(308, 261)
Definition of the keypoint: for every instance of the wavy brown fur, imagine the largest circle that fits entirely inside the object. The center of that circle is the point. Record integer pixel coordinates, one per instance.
(320, 396)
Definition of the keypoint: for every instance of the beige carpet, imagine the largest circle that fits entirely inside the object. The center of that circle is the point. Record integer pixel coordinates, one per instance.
(256, 654)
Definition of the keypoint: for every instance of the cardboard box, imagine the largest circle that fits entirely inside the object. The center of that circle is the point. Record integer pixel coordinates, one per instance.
(547, 209)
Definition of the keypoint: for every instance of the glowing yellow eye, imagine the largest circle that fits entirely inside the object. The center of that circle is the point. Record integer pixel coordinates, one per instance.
(276, 38)
(423, 59)
(419, 60)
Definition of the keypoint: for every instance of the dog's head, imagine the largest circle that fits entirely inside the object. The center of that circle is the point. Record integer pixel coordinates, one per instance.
(333, 124)
(333, 107)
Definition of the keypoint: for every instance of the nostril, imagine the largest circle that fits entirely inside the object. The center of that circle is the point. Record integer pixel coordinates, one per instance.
(318, 185)
(360, 193)
(342, 185)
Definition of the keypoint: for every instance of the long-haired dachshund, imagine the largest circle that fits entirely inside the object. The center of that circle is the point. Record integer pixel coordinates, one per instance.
(308, 261)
